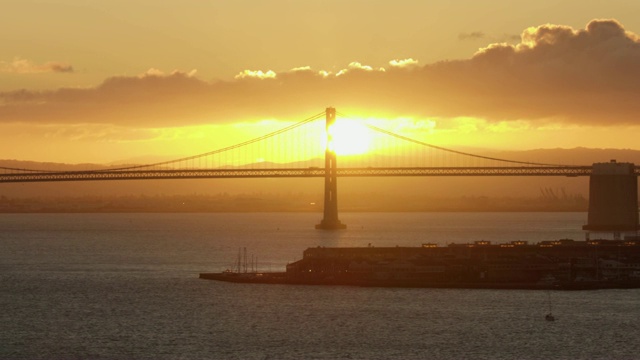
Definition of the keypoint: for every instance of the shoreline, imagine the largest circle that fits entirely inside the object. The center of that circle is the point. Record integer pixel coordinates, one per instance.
(279, 278)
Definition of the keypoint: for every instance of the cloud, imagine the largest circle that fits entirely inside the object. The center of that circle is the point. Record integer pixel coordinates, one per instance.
(257, 74)
(585, 75)
(403, 63)
(476, 35)
(23, 66)
(554, 73)
(301, 68)
(481, 36)
(357, 66)
(58, 67)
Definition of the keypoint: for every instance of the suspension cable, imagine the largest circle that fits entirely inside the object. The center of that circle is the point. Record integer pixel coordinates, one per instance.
(231, 147)
(401, 137)
(248, 142)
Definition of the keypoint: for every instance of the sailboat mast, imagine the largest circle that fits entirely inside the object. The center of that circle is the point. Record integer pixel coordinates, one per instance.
(245, 260)
(238, 262)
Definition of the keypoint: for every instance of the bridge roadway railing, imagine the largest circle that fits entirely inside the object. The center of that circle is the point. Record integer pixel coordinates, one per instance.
(140, 174)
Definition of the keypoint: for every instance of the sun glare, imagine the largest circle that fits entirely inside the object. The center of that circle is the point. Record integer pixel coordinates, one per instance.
(350, 137)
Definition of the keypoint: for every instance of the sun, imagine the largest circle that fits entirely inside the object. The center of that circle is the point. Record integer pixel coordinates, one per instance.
(350, 137)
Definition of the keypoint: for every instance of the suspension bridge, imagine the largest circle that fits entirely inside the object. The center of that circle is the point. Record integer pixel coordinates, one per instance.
(300, 150)
(310, 148)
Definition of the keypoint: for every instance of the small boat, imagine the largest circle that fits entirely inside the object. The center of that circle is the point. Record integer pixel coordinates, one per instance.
(549, 316)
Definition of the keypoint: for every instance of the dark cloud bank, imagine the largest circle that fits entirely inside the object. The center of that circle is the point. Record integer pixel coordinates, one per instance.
(555, 73)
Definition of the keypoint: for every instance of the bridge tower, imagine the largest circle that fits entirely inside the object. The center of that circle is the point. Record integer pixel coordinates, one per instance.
(330, 220)
(613, 199)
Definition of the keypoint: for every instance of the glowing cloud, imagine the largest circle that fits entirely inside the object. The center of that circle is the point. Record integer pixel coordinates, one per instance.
(258, 74)
(301, 68)
(354, 65)
(159, 73)
(403, 63)
(357, 65)
(23, 66)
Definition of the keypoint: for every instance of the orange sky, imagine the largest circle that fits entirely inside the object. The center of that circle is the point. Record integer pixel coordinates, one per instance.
(105, 81)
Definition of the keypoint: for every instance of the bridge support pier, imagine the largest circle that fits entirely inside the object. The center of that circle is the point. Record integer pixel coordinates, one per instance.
(330, 220)
(613, 199)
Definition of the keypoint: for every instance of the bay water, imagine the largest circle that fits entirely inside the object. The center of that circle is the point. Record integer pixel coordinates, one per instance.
(125, 286)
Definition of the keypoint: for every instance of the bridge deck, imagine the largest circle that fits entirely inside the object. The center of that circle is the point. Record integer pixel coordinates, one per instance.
(141, 174)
